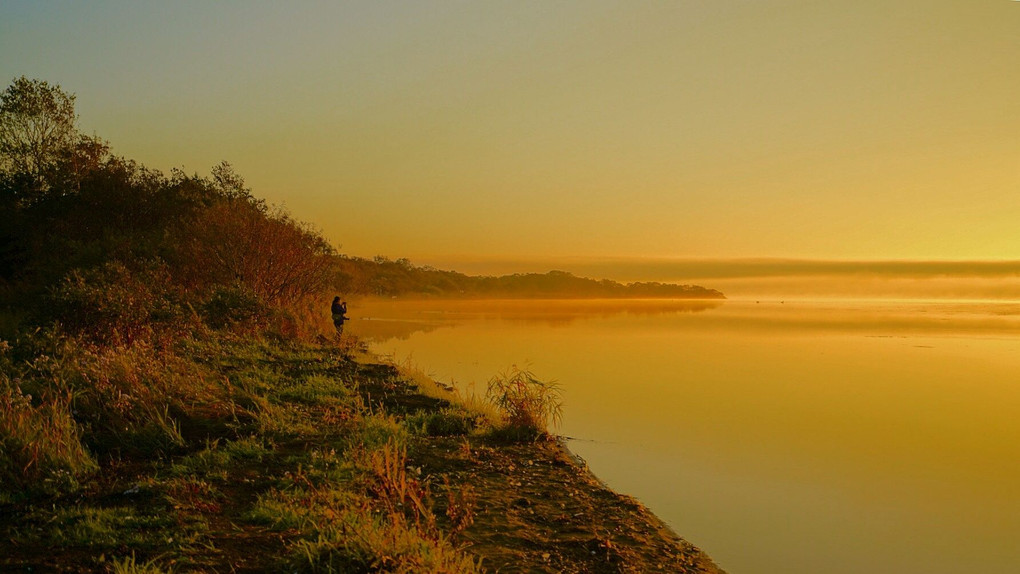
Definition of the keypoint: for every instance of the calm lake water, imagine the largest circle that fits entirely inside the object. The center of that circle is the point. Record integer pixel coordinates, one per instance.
(780, 437)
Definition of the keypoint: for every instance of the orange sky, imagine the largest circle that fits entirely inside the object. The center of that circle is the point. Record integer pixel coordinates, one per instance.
(457, 132)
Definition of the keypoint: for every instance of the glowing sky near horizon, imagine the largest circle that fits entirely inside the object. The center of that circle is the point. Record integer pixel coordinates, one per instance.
(464, 131)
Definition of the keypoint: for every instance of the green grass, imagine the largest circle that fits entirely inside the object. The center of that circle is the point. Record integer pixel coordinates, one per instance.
(376, 430)
(465, 398)
(450, 421)
(128, 565)
(359, 541)
(269, 436)
(302, 508)
(319, 390)
(217, 458)
(106, 528)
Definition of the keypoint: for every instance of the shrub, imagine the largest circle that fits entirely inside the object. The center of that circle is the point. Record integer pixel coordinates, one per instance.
(236, 307)
(113, 304)
(527, 403)
(240, 240)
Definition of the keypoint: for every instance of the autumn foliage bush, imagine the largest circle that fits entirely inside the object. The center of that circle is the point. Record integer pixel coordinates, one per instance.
(113, 304)
(242, 242)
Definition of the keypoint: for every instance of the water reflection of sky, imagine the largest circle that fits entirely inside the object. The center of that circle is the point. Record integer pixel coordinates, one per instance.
(781, 436)
(385, 319)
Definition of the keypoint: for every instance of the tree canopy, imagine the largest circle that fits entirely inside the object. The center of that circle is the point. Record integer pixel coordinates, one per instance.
(38, 129)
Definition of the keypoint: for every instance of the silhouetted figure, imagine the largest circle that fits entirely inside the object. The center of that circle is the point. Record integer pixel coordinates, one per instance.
(339, 310)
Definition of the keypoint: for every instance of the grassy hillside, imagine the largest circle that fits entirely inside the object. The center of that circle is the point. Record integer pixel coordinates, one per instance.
(174, 397)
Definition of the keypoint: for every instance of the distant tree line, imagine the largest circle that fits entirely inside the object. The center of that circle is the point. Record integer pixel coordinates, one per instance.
(384, 277)
(99, 242)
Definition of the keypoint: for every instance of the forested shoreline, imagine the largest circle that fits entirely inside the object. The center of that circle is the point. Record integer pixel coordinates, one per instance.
(384, 277)
(77, 221)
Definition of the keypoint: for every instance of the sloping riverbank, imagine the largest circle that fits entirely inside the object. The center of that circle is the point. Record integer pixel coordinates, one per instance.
(539, 509)
(328, 460)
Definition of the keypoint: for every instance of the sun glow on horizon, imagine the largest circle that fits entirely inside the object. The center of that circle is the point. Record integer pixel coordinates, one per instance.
(868, 130)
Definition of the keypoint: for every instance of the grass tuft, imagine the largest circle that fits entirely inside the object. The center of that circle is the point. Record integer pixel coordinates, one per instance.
(106, 528)
(379, 429)
(216, 460)
(530, 407)
(319, 390)
(128, 565)
(445, 422)
(362, 542)
(40, 446)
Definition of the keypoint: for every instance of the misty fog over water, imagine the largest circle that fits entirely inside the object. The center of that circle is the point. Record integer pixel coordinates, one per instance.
(787, 278)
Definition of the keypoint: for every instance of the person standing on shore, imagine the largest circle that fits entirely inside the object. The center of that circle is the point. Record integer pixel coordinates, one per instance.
(339, 311)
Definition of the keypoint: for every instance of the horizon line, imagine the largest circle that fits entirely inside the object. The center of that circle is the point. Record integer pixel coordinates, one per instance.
(733, 267)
